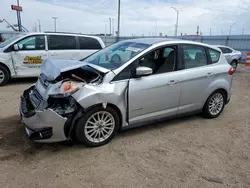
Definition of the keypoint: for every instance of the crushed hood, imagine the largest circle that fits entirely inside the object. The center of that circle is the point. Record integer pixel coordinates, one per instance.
(52, 68)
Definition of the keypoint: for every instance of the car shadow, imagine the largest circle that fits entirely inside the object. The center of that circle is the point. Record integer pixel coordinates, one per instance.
(15, 144)
(167, 123)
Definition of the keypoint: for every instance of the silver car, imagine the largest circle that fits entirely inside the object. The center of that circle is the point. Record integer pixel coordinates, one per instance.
(127, 84)
(233, 57)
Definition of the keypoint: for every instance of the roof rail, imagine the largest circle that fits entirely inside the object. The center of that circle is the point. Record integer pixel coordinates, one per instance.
(100, 34)
(61, 32)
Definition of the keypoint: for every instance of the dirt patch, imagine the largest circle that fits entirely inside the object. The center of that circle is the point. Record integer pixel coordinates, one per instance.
(188, 152)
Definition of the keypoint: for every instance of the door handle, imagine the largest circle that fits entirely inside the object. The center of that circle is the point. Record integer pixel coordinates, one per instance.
(172, 82)
(210, 74)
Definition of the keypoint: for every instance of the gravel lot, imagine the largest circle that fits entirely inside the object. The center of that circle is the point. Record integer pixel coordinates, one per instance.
(188, 152)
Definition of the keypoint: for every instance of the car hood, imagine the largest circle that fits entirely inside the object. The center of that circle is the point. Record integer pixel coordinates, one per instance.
(52, 68)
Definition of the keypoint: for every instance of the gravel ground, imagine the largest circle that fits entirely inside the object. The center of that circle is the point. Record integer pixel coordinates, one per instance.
(187, 152)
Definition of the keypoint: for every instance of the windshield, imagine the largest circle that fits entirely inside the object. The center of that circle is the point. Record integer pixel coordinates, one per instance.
(116, 55)
(10, 40)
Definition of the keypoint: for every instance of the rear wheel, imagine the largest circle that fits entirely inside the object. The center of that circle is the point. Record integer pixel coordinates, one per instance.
(4, 75)
(214, 104)
(97, 127)
(234, 64)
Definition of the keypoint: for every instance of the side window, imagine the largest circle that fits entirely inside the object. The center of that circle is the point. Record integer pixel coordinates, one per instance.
(127, 73)
(194, 56)
(87, 43)
(162, 60)
(229, 50)
(225, 50)
(167, 51)
(61, 42)
(214, 55)
(32, 43)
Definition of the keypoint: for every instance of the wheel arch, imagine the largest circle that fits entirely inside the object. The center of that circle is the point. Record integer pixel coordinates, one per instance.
(81, 111)
(234, 59)
(219, 89)
(7, 68)
(115, 107)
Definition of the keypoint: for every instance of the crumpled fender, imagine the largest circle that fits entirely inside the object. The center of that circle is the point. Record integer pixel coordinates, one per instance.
(115, 94)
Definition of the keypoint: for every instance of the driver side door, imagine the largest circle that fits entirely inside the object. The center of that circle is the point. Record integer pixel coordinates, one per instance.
(155, 96)
(28, 58)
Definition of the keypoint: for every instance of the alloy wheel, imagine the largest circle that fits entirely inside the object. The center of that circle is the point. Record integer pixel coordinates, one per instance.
(216, 104)
(99, 126)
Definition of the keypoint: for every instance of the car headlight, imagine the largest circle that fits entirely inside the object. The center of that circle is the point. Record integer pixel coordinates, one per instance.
(66, 88)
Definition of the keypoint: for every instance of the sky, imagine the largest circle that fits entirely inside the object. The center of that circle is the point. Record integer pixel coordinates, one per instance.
(138, 17)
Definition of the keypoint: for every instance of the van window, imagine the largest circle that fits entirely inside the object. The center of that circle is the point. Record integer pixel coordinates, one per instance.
(32, 43)
(87, 43)
(61, 42)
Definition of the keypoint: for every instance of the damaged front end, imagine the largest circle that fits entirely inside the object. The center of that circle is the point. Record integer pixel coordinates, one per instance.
(41, 124)
(48, 109)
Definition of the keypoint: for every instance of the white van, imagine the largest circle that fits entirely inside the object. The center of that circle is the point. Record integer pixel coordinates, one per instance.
(22, 55)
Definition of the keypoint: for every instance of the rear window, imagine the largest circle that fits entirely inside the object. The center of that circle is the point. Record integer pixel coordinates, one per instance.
(61, 42)
(87, 43)
(214, 55)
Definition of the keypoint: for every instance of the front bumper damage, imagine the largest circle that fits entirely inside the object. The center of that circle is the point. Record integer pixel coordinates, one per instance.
(42, 125)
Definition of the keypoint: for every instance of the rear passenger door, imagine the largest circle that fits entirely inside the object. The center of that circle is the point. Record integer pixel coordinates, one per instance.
(63, 47)
(196, 77)
(87, 46)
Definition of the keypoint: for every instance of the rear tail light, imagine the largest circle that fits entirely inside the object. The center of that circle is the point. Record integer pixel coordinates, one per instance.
(231, 71)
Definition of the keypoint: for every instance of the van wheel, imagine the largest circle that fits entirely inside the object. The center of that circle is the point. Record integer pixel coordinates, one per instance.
(4, 75)
(98, 126)
(214, 104)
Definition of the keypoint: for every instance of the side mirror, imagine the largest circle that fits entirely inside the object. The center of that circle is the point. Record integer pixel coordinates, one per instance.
(15, 47)
(143, 71)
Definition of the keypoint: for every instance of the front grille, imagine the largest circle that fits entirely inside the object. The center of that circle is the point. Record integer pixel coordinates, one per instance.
(40, 134)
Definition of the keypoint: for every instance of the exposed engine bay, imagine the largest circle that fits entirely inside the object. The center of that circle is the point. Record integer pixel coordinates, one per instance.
(84, 74)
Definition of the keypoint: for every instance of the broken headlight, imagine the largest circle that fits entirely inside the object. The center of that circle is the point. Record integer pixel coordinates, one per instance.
(66, 88)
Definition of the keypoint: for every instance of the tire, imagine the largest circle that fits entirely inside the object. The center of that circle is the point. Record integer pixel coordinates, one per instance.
(88, 133)
(4, 76)
(234, 64)
(208, 110)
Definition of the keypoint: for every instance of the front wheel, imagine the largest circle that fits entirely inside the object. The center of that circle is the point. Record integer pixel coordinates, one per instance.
(97, 127)
(4, 75)
(214, 104)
